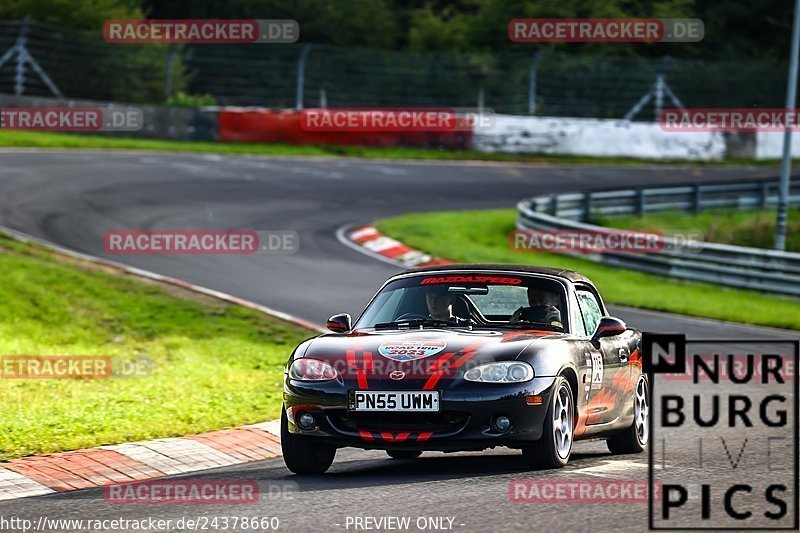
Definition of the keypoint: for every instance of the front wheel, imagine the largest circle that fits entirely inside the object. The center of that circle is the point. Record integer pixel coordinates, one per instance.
(301, 454)
(634, 439)
(553, 449)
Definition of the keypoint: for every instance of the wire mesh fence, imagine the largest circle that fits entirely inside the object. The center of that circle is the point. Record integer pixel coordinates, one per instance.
(82, 65)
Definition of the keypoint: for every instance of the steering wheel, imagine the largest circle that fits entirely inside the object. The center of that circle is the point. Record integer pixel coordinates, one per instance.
(411, 316)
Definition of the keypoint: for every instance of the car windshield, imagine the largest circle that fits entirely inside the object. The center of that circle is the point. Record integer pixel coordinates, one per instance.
(459, 300)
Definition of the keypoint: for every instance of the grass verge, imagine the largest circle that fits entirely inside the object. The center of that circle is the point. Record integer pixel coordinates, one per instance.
(482, 237)
(214, 365)
(730, 226)
(29, 139)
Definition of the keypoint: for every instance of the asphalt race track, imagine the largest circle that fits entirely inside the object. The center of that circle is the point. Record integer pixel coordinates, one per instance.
(72, 198)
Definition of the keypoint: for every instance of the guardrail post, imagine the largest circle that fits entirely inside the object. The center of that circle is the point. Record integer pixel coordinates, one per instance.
(696, 198)
(764, 194)
(301, 76)
(640, 207)
(537, 55)
(587, 207)
(19, 71)
(554, 205)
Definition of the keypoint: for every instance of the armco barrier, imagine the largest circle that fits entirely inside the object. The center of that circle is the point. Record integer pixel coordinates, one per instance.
(509, 134)
(735, 266)
(254, 125)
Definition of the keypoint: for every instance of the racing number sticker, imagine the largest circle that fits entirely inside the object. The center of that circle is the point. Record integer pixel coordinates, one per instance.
(597, 370)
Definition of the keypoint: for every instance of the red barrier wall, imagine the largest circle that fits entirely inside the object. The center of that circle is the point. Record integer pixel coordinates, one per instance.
(282, 126)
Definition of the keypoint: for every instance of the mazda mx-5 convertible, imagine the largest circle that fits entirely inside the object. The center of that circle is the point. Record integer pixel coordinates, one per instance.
(468, 357)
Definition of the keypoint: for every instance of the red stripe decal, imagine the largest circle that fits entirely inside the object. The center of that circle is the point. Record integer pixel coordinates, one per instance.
(436, 376)
(361, 376)
(366, 435)
(424, 436)
(368, 361)
(400, 437)
(442, 359)
(362, 379)
(431, 383)
(464, 358)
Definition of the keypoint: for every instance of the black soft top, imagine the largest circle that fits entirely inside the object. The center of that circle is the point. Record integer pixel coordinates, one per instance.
(570, 275)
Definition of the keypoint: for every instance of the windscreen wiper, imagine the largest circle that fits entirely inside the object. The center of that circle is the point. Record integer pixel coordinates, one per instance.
(416, 323)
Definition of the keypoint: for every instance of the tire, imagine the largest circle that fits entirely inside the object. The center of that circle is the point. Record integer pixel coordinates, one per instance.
(403, 454)
(301, 454)
(634, 439)
(550, 451)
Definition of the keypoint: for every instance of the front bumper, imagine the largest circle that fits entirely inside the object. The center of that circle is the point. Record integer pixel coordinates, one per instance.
(463, 422)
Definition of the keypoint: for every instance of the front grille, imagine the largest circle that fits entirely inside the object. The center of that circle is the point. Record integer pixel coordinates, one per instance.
(441, 422)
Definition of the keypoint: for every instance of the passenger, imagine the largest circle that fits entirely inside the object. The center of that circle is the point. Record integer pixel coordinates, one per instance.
(543, 308)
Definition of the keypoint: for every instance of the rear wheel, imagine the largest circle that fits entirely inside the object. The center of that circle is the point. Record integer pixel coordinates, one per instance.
(303, 455)
(403, 454)
(634, 439)
(555, 446)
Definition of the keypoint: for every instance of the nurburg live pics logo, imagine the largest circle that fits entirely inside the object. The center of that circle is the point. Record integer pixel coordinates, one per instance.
(723, 445)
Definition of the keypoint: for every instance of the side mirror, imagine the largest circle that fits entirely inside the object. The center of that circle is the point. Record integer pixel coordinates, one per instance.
(608, 327)
(340, 323)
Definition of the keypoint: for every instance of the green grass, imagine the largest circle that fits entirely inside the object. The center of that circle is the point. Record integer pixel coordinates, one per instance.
(215, 365)
(30, 139)
(482, 237)
(731, 226)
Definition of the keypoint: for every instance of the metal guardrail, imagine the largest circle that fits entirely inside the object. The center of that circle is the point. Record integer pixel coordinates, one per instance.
(735, 266)
(638, 201)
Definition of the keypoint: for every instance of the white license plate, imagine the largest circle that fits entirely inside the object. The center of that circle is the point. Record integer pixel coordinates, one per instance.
(412, 401)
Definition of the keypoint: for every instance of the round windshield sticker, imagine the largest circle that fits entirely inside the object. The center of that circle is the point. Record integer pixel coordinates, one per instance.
(410, 349)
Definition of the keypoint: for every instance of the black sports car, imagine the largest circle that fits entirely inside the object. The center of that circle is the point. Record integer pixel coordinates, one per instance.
(468, 357)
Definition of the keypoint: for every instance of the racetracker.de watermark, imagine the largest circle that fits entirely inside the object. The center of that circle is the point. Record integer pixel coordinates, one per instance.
(580, 491)
(729, 120)
(124, 118)
(198, 492)
(396, 120)
(202, 31)
(605, 30)
(74, 366)
(573, 241)
(201, 242)
(182, 492)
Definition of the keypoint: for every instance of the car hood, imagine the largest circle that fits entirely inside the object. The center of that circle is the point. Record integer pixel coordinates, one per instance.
(362, 357)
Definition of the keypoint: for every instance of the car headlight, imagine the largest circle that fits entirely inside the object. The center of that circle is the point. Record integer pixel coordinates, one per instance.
(511, 372)
(305, 369)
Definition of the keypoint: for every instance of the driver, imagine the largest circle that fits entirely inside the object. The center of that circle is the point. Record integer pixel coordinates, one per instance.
(543, 308)
(440, 305)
